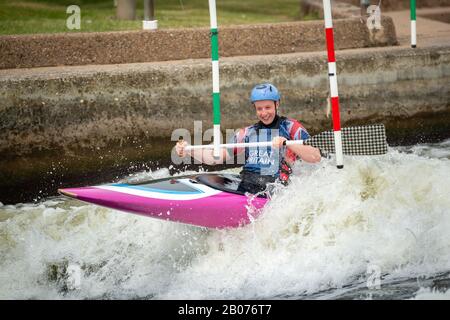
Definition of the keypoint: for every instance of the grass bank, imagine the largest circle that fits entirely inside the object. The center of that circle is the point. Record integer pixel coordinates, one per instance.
(49, 16)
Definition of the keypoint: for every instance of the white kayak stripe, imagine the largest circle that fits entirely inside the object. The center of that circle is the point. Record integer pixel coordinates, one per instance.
(206, 192)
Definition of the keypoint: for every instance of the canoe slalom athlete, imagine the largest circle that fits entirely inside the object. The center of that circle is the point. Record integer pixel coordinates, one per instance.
(262, 165)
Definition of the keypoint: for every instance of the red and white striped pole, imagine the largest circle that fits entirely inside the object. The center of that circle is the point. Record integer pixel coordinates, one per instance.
(333, 84)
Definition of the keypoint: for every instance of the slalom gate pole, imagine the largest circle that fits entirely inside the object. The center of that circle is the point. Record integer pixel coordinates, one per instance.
(413, 24)
(333, 83)
(215, 77)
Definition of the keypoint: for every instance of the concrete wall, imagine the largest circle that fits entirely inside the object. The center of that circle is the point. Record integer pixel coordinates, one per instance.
(26, 51)
(62, 124)
(80, 107)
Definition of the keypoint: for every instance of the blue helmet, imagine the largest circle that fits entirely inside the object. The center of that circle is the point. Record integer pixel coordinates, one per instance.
(265, 91)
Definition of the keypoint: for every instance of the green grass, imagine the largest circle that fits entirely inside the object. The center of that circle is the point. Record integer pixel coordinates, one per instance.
(49, 16)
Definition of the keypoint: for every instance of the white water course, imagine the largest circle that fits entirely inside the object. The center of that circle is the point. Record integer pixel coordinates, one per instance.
(378, 229)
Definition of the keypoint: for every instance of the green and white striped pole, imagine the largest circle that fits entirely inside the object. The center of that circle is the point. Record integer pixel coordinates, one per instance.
(215, 77)
(413, 24)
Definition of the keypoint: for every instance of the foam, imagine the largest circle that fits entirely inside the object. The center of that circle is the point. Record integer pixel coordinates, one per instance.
(323, 232)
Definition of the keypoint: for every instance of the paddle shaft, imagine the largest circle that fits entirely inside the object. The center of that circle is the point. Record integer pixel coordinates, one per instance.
(243, 145)
(362, 140)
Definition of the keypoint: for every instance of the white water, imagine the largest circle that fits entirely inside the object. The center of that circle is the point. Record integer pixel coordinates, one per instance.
(328, 233)
(429, 294)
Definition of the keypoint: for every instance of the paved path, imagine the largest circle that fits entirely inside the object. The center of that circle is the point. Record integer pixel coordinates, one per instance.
(429, 31)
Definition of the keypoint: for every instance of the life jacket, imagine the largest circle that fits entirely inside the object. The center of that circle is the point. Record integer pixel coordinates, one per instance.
(261, 161)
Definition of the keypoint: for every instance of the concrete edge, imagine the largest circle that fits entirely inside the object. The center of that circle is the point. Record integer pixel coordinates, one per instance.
(42, 50)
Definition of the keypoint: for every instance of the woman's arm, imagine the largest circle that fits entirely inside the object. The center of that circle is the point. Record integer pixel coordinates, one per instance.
(203, 155)
(306, 153)
(206, 155)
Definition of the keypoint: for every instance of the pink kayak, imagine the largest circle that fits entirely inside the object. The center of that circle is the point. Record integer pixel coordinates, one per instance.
(205, 200)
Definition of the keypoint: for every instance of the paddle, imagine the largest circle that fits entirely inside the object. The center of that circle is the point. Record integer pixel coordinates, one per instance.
(360, 140)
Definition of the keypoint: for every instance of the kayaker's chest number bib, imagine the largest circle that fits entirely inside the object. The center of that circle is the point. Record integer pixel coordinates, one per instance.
(232, 309)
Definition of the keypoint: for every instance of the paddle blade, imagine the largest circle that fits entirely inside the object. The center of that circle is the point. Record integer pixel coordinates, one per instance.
(357, 141)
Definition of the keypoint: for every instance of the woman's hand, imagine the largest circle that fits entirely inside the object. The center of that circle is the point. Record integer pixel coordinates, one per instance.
(277, 142)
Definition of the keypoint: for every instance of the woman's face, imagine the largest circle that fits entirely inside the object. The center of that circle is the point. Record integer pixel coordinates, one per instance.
(266, 110)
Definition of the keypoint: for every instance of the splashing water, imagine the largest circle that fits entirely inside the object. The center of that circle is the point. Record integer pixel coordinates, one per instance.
(378, 228)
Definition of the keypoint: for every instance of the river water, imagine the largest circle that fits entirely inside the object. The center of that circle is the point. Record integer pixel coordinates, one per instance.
(378, 229)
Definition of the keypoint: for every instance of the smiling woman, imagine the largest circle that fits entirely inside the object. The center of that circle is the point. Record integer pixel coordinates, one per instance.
(49, 16)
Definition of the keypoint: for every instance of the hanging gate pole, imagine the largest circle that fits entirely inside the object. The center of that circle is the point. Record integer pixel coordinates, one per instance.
(215, 76)
(333, 83)
(413, 24)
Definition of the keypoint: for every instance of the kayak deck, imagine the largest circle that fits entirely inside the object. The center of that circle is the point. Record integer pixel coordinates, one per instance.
(206, 200)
